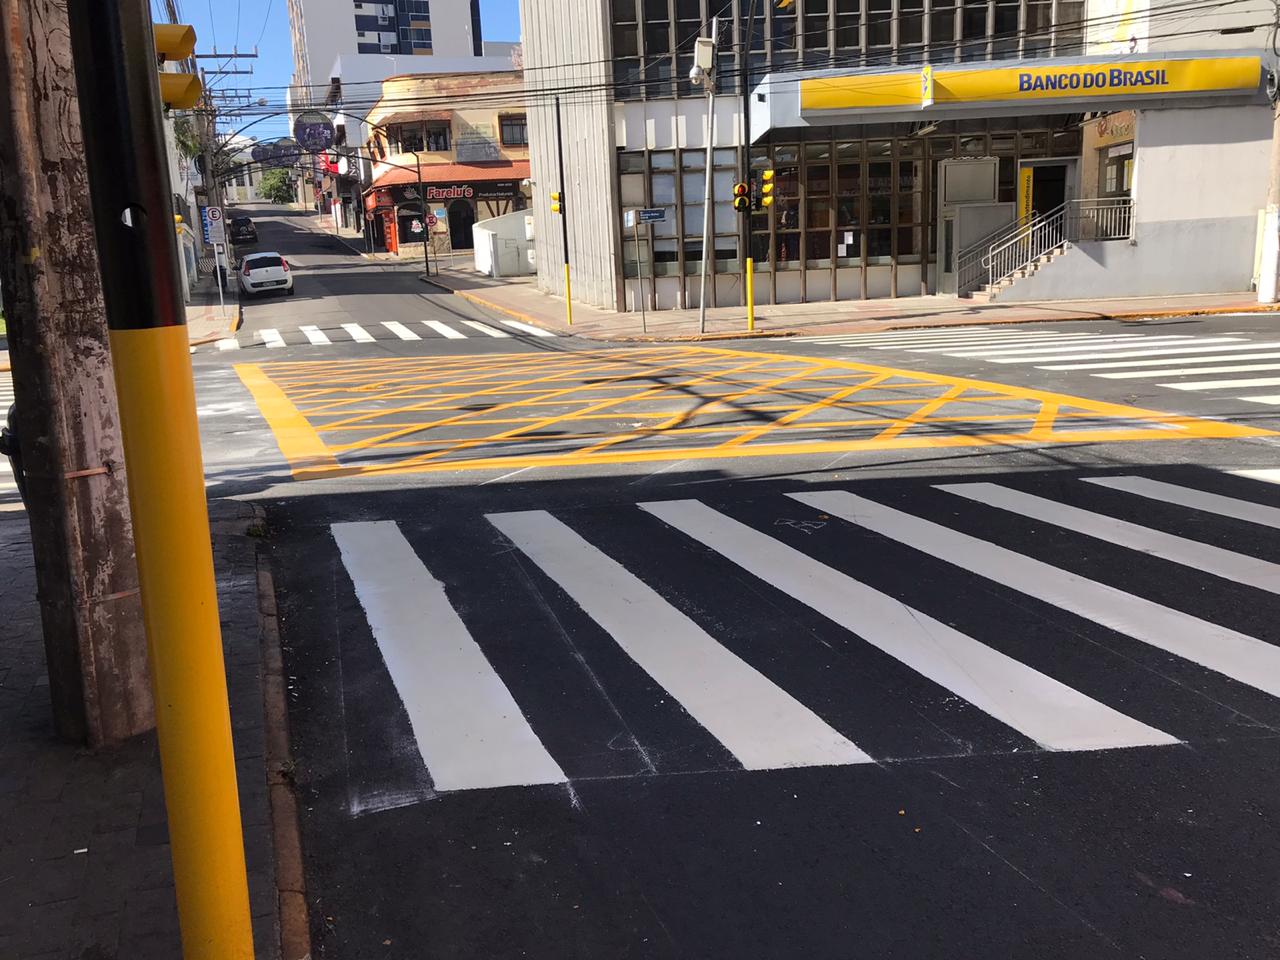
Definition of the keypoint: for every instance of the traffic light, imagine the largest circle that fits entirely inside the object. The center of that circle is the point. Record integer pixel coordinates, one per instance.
(764, 197)
(557, 202)
(741, 202)
(176, 41)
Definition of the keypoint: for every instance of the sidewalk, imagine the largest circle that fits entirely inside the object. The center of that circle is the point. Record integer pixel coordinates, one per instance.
(84, 851)
(520, 298)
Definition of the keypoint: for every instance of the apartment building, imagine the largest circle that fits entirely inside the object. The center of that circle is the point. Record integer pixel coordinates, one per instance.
(909, 138)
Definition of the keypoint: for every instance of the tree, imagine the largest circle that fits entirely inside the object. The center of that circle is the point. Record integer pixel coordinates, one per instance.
(68, 425)
(276, 186)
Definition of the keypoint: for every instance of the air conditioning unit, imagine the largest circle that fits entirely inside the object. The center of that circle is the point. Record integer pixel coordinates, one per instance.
(388, 47)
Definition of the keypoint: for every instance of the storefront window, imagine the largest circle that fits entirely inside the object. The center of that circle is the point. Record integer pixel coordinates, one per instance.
(1115, 167)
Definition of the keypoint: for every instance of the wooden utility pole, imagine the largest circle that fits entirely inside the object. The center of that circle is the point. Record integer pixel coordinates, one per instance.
(67, 422)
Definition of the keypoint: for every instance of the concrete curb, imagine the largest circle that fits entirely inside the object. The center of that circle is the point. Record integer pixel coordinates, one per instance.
(237, 321)
(295, 924)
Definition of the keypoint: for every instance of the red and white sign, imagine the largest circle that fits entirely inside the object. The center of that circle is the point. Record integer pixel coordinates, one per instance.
(449, 193)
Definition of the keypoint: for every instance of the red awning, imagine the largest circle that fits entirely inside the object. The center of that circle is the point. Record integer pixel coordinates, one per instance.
(454, 173)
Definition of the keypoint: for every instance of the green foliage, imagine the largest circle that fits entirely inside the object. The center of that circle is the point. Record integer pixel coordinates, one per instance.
(275, 187)
(186, 138)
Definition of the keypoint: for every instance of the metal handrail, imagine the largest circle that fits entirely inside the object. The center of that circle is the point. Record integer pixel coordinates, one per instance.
(970, 271)
(1100, 218)
(1026, 245)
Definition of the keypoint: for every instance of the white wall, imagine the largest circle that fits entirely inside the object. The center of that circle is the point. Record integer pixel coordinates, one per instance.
(589, 145)
(669, 124)
(1141, 26)
(502, 245)
(1194, 164)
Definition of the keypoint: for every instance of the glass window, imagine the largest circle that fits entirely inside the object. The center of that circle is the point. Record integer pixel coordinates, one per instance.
(879, 245)
(879, 23)
(848, 16)
(407, 136)
(817, 34)
(666, 256)
(787, 248)
(514, 130)
(626, 79)
(626, 40)
(632, 189)
(624, 11)
(908, 244)
(631, 162)
(438, 137)
(664, 188)
(910, 199)
(662, 160)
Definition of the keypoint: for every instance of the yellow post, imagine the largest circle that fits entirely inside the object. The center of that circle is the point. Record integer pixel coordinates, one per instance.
(568, 296)
(184, 639)
(751, 295)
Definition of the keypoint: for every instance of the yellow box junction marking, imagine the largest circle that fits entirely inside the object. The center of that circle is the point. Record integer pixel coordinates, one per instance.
(510, 411)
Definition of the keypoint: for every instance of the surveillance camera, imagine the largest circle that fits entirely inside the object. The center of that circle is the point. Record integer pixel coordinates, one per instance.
(697, 75)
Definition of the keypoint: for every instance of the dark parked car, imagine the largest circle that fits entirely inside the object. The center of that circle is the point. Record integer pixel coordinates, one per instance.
(243, 230)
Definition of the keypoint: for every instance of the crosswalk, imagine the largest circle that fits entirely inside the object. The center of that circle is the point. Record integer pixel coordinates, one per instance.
(311, 335)
(826, 627)
(1223, 364)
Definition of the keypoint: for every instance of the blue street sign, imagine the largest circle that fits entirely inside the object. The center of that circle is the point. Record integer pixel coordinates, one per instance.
(652, 215)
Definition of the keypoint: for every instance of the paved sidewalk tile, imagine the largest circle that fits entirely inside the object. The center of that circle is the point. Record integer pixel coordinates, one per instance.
(85, 867)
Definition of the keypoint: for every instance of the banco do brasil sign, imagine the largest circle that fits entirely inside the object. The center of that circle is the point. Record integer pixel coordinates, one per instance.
(1093, 80)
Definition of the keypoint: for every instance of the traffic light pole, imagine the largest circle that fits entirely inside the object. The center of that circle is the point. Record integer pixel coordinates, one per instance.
(748, 263)
(129, 184)
(564, 216)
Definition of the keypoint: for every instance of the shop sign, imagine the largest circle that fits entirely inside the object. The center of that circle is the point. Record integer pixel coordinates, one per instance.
(445, 193)
(476, 143)
(926, 87)
(313, 131)
(1106, 77)
(1026, 182)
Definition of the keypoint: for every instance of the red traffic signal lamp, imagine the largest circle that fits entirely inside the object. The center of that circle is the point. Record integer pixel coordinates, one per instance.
(741, 201)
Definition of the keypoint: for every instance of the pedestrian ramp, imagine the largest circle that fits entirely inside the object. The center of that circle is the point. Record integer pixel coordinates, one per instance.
(346, 334)
(1235, 365)
(823, 627)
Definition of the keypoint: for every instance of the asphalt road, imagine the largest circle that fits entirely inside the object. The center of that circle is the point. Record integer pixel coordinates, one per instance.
(773, 649)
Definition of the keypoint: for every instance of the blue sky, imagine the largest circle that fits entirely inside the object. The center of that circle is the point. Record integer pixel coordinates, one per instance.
(242, 23)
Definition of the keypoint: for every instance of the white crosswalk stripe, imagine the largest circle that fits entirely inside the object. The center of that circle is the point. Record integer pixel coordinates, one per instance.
(1050, 713)
(1271, 399)
(228, 343)
(400, 330)
(527, 328)
(478, 722)
(1199, 556)
(315, 335)
(445, 330)
(1236, 655)
(762, 726)
(1187, 371)
(271, 338)
(469, 728)
(487, 330)
(358, 333)
(1237, 384)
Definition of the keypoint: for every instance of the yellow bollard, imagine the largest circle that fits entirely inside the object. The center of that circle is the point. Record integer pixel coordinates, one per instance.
(568, 296)
(751, 296)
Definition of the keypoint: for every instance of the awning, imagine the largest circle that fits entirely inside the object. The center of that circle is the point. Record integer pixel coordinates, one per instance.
(448, 173)
(411, 116)
(1007, 88)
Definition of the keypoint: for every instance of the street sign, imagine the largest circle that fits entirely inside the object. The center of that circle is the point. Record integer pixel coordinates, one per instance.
(212, 225)
(652, 215)
(431, 220)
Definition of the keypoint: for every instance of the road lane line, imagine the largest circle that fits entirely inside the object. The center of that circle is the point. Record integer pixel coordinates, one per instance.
(1052, 714)
(1194, 499)
(1169, 361)
(526, 328)
(763, 726)
(228, 343)
(315, 335)
(358, 333)
(296, 438)
(1223, 384)
(1272, 399)
(975, 343)
(400, 330)
(469, 729)
(1236, 655)
(1186, 371)
(445, 330)
(1265, 475)
(271, 337)
(1236, 567)
(486, 329)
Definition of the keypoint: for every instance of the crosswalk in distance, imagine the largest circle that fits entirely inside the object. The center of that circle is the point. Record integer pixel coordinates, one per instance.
(8, 486)
(830, 627)
(311, 335)
(1241, 366)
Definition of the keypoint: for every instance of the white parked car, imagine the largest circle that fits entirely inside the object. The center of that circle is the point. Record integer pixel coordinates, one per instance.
(264, 273)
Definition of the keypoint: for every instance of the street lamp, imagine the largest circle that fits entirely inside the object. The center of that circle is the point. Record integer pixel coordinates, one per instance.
(704, 58)
(422, 201)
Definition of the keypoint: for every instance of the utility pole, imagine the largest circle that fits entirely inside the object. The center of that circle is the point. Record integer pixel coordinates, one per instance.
(124, 148)
(703, 71)
(560, 206)
(68, 428)
(748, 263)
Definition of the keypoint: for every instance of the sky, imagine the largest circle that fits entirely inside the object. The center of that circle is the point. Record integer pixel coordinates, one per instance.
(241, 24)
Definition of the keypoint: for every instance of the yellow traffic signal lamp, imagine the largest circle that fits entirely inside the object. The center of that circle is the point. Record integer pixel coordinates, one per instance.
(176, 42)
(741, 200)
(557, 202)
(765, 197)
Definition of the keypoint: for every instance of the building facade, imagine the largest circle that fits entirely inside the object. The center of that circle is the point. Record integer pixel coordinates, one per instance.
(896, 149)
(324, 30)
(465, 138)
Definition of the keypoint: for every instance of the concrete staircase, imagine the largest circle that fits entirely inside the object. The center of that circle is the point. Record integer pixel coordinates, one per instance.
(989, 292)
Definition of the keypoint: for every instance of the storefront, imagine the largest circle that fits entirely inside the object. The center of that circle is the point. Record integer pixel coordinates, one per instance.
(861, 160)
(449, 205)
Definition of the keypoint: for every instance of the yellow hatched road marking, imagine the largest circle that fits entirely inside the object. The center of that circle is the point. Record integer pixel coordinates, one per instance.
(596, 395)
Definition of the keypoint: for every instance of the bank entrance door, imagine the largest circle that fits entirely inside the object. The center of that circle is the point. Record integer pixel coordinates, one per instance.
(1045, 185)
